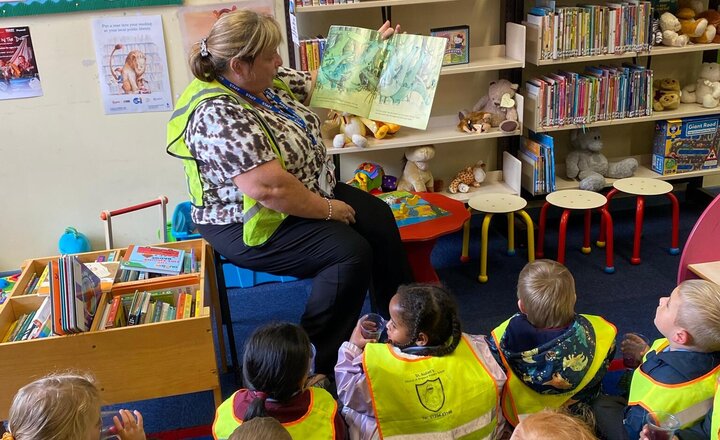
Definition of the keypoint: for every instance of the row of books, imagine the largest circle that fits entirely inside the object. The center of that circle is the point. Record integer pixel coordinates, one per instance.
(32, 325)
(300, 3)
(310, 53)
(598, 94)
(537, 154)
(145, 307)
(589, 30)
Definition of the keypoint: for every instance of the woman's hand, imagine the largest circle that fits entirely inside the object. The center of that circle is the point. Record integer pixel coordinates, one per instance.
(342, 212)
(357, 338)
(387, 30)
(129, 428)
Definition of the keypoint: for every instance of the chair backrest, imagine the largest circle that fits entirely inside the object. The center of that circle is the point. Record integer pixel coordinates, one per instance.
(703, 243)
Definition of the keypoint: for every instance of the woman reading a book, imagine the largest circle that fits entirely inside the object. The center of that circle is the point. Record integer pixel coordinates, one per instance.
(262, 185)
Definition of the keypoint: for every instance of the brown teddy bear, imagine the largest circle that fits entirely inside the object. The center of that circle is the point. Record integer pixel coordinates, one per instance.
(500, 103)
(695, 28)
(713, 18)
(666, 94)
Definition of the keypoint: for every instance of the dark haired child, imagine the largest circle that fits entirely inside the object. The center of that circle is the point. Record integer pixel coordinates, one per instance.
(429, 378)
(276, 364)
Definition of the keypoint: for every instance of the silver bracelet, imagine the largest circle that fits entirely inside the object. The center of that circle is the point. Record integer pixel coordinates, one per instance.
(329, 216)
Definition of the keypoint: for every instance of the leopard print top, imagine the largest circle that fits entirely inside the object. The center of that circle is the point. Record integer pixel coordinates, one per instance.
(227, 140)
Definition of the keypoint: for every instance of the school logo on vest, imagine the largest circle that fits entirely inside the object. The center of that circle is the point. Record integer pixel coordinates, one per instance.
(431, 394)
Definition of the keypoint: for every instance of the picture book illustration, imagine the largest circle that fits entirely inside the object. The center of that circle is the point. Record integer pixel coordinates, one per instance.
(391, 80)
(409, 208)
(153, 259)
(19, 77)
(132, 64)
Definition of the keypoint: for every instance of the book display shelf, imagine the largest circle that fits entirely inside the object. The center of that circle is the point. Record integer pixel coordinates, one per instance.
(131, 363)
(488, 57)
(669, 58)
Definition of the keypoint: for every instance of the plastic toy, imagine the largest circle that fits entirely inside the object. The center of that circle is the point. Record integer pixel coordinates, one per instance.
(368, 176)
(73, 242)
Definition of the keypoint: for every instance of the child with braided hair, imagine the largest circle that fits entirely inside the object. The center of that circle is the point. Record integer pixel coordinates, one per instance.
(429, 377)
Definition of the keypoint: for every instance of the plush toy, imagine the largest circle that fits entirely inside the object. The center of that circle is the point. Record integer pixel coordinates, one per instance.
(706, 90)
(587, 162)
(467, 177)
(416, 174)
(500, 103)
(474, 122)
(347, 129)
(713, 18)
(368, 176)
(695, 28)
(666, 94)
(670, 27)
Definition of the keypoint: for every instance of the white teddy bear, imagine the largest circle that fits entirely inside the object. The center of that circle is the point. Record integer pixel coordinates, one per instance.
(416, 175)
(706, 90)
(670, 26)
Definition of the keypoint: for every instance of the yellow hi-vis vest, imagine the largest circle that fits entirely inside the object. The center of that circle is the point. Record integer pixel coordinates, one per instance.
(519, 400)
(452, 396)
(688, 401)
(317, 423)
(715, 424)
(259, 222)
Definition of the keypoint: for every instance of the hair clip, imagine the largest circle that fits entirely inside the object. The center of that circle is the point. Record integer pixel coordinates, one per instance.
(203, 48)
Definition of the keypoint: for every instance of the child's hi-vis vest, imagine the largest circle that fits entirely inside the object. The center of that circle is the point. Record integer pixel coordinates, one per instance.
(715, 424)
(259, 222)
(688, 401)
(317, 423)
(452, 396)
(519, 400)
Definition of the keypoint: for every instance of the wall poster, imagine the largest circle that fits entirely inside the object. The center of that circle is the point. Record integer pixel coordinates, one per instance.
(19, 77)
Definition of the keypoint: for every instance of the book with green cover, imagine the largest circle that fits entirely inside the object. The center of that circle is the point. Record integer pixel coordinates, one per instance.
(392, 80)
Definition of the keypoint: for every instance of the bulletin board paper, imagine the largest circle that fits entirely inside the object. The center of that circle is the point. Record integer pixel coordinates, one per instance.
(132, 64)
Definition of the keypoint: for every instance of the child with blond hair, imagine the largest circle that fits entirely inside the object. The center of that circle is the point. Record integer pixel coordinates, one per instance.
(679, 372)
(65, 406)
(260, 428)
(553, 356)
(553, 424)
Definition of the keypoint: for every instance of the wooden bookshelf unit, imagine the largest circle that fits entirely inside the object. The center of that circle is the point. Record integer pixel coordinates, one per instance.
(130, 363)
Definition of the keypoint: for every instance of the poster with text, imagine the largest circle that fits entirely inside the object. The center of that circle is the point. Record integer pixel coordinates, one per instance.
(196, 21)
(19, 76)
(132, 64)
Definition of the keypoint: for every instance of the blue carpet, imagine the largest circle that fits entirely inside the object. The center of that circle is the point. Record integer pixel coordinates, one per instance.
(627, 298)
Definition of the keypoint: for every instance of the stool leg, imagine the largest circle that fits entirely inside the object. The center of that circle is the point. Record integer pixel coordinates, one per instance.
(511, 233)
(530, 235)
(674, 248)
(601, 238)
(586, 236)
(483, 249)
(465, 257)
(609, 263)
(639, 214)
(540, 251)
(561, 236)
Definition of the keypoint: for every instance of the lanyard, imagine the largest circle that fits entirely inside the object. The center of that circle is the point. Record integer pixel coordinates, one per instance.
(283, 109)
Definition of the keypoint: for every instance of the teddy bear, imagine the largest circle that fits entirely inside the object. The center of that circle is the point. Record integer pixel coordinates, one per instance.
(346, 129)
(666, 94)
(713, 18)
(500, 103)
(587, 162)
(706, 90)
(416, 174)
(670, 27)
(467, 177)
(695, 28)
(472, 122)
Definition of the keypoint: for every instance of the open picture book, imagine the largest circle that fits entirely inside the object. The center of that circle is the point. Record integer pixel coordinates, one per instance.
(391, 80)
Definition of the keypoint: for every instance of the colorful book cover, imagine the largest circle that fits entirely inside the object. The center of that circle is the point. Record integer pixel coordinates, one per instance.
(86, 293)
(457, 50)
(409, 208)
(160, 260)
(392, 80)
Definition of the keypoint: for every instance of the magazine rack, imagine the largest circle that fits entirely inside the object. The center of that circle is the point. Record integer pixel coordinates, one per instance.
(148, 370)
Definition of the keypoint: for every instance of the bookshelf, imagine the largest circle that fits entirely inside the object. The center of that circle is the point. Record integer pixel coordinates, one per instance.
(495, 48)
(149, 369)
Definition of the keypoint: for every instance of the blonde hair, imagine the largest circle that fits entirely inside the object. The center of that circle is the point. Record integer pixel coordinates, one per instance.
(699, 313)
(547, 291)
(241, 34)
(61, 406)
(260, 428)
(552, 424)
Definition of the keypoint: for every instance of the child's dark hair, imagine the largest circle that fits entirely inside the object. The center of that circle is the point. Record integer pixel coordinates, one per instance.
(430, 309)
(275, 363)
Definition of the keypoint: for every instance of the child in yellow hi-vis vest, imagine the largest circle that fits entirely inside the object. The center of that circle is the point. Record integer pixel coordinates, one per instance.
(552, 424)
(276, 364)
(429, 377)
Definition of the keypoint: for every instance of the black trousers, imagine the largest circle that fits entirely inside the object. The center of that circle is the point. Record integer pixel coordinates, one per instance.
(343, 261)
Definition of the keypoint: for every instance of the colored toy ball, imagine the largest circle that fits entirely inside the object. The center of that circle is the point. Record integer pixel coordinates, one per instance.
(389, 183)
(73, 242)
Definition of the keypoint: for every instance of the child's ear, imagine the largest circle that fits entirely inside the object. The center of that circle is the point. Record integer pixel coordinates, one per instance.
(421, 340)
(521, 307)
(682, 337)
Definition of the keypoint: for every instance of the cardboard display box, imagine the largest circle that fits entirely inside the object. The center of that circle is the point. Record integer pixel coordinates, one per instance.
(684, 145)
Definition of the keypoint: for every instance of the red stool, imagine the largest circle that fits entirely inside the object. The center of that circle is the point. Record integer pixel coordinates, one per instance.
(641, 187)
(575, 199)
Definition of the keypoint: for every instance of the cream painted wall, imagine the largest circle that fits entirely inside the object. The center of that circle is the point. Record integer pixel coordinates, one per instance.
(62, 160)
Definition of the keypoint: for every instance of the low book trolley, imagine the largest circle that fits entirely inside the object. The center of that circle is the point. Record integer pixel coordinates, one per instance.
(138, 362)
